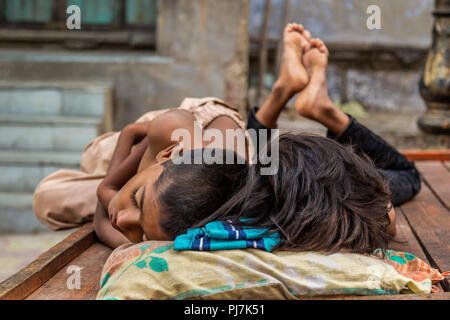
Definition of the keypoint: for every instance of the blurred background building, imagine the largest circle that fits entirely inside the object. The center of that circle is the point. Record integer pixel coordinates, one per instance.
(372, 74)
(61, 88)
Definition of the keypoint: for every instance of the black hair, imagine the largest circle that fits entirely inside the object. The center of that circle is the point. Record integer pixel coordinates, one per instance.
(188, 193)
(324, 197)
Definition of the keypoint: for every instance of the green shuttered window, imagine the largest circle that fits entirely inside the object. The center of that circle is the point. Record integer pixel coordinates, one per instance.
(113, 13)
(133, 16)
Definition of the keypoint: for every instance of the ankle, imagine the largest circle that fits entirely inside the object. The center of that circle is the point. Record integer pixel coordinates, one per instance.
(282, 91)
(333, 118)
(327, 112)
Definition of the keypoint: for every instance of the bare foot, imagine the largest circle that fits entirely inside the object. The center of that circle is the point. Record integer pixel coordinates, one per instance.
(313, 101)
(293, 75)
(311, 57)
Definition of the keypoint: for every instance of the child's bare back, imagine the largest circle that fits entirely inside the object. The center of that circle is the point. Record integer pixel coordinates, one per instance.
(159, 133)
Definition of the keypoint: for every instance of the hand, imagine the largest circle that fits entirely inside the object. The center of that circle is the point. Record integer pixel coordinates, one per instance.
(123, 166)
(104, 229)
(120, 174)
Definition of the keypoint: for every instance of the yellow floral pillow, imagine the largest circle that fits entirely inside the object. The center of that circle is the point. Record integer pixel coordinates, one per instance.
(153, 270)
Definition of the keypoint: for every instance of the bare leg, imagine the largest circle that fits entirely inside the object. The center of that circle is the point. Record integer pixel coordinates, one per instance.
(313, 102)
(293, 75)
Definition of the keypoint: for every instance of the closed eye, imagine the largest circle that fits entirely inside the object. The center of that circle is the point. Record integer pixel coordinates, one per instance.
(133, 197)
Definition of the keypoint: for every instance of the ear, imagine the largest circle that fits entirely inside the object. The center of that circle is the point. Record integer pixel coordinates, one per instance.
(169, 152)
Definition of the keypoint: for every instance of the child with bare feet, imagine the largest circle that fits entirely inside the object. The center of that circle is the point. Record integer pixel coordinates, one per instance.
(303, 72)
(321, 188)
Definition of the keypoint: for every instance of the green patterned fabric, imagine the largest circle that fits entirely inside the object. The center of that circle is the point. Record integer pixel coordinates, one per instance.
(153, 270)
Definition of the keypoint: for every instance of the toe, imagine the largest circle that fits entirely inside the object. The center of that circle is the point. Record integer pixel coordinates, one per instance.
(314, 42)
(288, 27)
(322, 47)
(307, 34)
(298, 27)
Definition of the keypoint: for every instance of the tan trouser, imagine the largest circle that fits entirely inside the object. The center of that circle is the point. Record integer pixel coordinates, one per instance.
(67, 198)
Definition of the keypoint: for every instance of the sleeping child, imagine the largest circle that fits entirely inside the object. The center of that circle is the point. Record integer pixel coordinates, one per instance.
(326, 195)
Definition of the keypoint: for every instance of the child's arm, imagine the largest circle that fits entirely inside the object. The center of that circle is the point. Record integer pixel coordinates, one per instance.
(121, 169)
(104, 229)
(120, 174)
(130, 135)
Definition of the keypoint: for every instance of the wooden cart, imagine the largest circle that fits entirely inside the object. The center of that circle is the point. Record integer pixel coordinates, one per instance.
(423, 224)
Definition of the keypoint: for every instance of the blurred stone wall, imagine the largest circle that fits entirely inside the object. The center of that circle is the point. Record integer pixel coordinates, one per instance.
(404, 22)
(212, 36)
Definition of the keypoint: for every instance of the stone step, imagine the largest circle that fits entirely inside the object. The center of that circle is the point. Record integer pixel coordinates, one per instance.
(44, 101)
(21, 171)
(46, 132)
(16, 199)
(16, 213)
(49, 98)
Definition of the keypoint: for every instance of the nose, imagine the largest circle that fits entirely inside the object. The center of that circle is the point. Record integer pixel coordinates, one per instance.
(128, 223)
(127, 218)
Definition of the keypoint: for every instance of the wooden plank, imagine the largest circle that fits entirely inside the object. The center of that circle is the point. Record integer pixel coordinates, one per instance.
(405, 239)
(23, 283)
(437, 178)
(429, 220)
(447, 165)
(91, 263)
(417, 155)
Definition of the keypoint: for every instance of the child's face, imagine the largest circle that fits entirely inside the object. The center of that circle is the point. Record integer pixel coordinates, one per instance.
(134, 210)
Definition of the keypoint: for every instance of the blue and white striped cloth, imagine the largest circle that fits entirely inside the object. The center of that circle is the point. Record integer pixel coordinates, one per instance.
(222, 235)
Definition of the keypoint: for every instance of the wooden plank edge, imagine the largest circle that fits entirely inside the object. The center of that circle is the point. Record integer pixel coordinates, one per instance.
(426, 155)
(27, 280)
(423, 173)
(405, 239)
(446, 165)
(444, 284)
(423, 254)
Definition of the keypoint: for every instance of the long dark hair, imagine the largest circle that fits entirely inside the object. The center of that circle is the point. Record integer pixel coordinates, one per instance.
(324, 197)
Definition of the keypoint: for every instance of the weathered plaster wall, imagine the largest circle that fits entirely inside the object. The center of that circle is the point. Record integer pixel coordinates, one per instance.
(211, 35)
(202, 50)
(404, 22)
